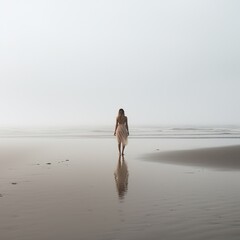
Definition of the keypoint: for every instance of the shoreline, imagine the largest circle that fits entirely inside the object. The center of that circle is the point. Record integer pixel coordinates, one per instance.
(147, 132)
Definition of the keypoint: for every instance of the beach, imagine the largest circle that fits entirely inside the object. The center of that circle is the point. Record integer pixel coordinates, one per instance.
(221, 158)
(72, 185)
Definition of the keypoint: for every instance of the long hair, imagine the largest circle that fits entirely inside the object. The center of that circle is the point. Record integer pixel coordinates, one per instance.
(121, 112)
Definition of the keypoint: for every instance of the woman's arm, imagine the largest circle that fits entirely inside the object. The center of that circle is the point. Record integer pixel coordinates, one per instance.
(116, 125)
(127, 125)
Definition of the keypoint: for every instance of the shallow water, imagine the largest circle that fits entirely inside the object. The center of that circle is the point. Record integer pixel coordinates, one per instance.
(227, 132)
(66, 189)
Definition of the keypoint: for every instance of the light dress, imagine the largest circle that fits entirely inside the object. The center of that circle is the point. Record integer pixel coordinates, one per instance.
(122, 133)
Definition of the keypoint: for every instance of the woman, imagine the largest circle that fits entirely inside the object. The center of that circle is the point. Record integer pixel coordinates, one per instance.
(121, 130)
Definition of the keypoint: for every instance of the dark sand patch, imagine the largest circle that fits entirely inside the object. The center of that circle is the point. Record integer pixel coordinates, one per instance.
(222, 158)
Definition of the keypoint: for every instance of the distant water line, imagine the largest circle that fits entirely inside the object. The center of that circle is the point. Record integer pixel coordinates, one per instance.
(136, 132)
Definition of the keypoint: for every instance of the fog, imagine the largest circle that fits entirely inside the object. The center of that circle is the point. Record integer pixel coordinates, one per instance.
(78, 62)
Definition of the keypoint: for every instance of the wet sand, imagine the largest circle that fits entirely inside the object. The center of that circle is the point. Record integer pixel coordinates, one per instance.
(224, 158)
(79, 189)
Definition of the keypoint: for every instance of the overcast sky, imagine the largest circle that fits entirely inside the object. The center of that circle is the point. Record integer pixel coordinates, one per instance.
(174, 62)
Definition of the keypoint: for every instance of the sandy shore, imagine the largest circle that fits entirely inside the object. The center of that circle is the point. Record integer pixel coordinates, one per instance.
(57, 188)
(225, 158)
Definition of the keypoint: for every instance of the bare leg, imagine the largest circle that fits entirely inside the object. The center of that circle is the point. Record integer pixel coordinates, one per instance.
(119, 148)
(123, 147)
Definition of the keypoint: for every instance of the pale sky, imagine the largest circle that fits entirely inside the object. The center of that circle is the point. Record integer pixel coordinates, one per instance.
(73, 62)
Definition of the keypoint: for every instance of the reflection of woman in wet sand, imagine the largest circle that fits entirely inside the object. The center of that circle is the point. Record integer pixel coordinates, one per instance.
(121, 177)
(121, 131)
